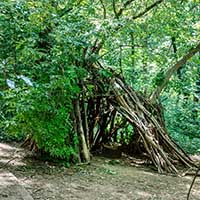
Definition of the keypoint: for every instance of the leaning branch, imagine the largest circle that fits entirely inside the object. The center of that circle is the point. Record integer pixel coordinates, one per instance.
(147, 9)
(172, 70)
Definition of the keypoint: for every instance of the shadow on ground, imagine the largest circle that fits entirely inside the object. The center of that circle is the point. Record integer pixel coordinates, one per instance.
(103, 179)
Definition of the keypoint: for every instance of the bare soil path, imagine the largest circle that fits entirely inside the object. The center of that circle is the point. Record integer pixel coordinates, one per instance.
(103, 179)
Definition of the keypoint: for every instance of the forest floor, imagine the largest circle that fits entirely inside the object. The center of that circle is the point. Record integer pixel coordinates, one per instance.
(103, 179)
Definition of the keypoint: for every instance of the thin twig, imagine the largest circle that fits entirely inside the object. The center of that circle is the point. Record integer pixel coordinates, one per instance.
(4, 165)
(195, 176)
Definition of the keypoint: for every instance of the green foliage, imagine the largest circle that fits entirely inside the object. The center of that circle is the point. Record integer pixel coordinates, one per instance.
(44, 112)
(157, 81)
(105, 73)
(189, 144)
(182, 120)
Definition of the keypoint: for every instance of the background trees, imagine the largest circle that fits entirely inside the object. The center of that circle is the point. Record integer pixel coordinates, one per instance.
(58, 44)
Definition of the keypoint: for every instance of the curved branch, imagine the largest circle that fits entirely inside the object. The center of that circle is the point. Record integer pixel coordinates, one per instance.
(172, 70)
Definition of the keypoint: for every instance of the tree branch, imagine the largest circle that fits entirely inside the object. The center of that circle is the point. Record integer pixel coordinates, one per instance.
(127, 3)
(66, 10)
(114, 9)
(196, 174)
(147, 9)
(104, 9)
(119, 13)
(172, 70)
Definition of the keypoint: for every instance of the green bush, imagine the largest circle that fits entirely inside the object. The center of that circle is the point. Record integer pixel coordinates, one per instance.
(182, 120)
(44, 113)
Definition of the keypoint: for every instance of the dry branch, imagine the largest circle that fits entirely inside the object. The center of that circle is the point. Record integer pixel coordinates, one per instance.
(138, 111)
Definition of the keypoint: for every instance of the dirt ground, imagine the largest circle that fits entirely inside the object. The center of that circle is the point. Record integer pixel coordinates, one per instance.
(103, 179)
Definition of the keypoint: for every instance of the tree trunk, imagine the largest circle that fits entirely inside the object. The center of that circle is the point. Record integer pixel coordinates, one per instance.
(84, 148)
